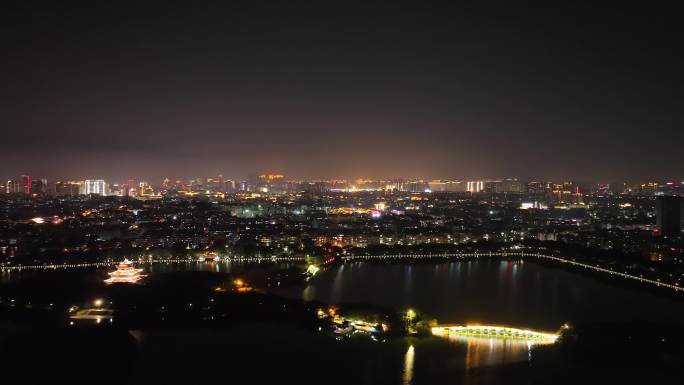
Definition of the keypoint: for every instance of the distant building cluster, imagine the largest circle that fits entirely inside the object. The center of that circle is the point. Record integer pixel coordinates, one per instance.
(277, 184)
(533, 195)
(270, 215)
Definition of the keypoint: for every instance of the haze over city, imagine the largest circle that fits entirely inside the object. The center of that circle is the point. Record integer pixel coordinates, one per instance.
(342, 90)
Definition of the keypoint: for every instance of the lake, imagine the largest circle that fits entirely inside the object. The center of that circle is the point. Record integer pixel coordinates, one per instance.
(487, 291)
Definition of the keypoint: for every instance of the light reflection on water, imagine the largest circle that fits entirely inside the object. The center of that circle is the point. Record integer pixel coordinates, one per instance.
(503, 292)
(309, 293)
(486, 351)
(5, 276)
(337, 285)
(408, 365)
(525, 295)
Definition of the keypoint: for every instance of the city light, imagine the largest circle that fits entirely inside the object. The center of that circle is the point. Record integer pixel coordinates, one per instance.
(125, 273)
(496, 332)
(355, 192)
(312, 270)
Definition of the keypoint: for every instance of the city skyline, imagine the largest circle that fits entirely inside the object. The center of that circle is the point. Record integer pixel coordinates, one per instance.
(279, 184)
(17, 177)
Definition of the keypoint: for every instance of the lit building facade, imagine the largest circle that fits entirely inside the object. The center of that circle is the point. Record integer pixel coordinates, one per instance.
(95, 186)
(475, 186)
(446, 185)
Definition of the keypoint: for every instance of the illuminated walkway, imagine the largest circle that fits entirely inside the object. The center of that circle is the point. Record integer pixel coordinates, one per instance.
(494, 332)
(147, 261)
(520, 254)
(393, 257)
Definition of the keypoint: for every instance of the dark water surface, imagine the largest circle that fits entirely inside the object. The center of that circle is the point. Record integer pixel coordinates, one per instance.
(490, 291)
(523, 295)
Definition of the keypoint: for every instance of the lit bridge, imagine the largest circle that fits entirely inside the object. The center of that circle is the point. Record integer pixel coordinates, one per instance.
(495, 332)
(508, 254)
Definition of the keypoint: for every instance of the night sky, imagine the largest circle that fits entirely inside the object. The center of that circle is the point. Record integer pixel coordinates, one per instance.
(341, 89)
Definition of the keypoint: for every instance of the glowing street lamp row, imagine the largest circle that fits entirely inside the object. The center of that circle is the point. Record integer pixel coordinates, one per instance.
(520, 254)
(55, 266)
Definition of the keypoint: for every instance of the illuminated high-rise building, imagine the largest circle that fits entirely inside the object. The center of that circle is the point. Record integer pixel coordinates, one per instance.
(13, 187)
(19, 186)
(95, 186)
(65, 188)
(475, 186)
(540, 188)
(414, 186)
(145, 189)
(267, 183)
(116, 190)
(39, 186)
(446, 185)
(512, 185)
(25, 181)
